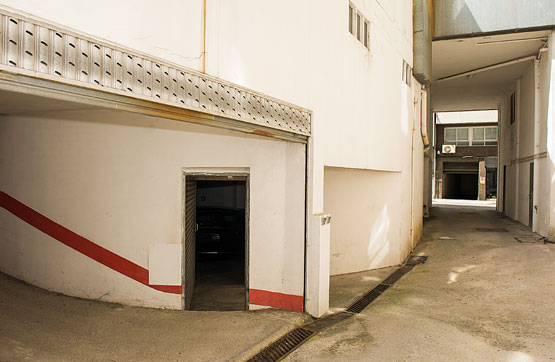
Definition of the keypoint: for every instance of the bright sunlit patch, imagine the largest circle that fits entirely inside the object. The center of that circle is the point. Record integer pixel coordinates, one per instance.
(453, 275)
(371, 279)
(378, 246)
(464, 268)
(520, 357)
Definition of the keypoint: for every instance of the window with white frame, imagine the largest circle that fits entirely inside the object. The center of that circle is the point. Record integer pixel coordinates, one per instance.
(470, 136)
(351, 19)
(359, 26)
(367, 34)
(407, 73)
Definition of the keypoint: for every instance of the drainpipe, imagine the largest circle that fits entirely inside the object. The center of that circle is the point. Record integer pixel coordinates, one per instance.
(537, 121)
(416, 100)
(424, 118)
(203, 40)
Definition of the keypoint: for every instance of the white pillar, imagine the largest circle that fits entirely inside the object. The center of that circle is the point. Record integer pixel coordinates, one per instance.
(551, 142)
(318, 266)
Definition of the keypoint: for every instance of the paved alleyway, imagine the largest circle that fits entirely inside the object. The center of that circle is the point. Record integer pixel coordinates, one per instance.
(481, 296)
(36, 325)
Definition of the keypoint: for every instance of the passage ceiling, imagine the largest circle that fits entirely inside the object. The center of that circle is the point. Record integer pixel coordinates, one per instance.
(453, 90)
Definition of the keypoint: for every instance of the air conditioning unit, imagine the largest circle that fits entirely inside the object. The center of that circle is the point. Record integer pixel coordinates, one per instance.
(448, 149)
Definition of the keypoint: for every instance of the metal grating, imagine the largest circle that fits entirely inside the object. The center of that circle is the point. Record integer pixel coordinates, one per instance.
(37, 49)
(368, 298)
(283, 346)
(325, 322)
(492, 230)
(395, 276)
(417, 259)
(292, 340)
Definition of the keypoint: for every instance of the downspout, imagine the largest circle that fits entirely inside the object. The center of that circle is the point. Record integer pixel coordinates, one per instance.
(537, 123)
(203, 40)
(415, 103)
(424, 118)
(308, 203)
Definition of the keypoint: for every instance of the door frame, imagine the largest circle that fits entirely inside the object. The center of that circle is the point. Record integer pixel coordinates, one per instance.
(216, 174)
(531, 197)
(504, 188)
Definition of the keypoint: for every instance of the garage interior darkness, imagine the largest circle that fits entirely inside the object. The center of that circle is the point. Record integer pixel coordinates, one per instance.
(460, 186)
(220, 244)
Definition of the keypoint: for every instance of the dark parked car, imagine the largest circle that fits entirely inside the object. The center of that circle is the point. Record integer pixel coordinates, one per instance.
(220, 231)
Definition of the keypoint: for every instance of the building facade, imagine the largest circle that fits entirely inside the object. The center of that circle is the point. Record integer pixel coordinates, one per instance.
(111, 132)
(466, 161)
(504, 63)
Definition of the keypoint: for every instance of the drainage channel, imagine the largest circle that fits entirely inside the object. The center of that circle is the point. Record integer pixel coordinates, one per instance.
(294, 339)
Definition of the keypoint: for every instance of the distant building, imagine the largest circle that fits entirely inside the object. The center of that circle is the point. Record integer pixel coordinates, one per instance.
(466, 161)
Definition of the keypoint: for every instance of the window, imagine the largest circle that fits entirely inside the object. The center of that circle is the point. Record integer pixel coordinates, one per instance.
(407, 73)
(491, 136)
(359, 26)
(456, 136)
(470, 136)
(351, 17)
(478, 136)
(366, 33)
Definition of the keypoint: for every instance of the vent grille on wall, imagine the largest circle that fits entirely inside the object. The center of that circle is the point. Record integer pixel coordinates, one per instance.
(40, 50)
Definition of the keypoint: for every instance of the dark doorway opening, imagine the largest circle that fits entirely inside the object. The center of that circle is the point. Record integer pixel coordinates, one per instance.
(460, 186)
(220, 278)
(491, 183)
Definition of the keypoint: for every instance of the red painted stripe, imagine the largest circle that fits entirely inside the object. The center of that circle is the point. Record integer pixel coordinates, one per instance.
(81, 244)
(276, 300)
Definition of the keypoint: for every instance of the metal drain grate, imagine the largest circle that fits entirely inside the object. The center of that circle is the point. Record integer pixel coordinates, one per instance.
(323, 323)
(492, 230)
(292, 340)
(415, 260)
(283, 346)
(390, 280)
(368, 298)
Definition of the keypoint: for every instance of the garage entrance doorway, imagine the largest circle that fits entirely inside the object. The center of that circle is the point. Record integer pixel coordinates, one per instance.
(215, 250)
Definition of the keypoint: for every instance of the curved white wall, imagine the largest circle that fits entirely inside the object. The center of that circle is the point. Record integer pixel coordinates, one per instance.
(116, 179)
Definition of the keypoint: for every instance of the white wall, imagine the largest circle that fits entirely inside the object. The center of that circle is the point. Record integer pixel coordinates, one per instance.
(302, 52)
(548, 113)
(116, 179)
(169, 29)
(298, 51)
(366, 216)
(525, 126)
(526, 141)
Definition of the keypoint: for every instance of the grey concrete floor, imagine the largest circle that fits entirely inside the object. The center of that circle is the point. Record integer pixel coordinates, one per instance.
(481, 296)
(36, 325)
(219, 285)
(345, 289)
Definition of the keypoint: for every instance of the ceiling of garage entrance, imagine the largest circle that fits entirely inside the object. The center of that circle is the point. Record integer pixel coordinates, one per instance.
(481, 90)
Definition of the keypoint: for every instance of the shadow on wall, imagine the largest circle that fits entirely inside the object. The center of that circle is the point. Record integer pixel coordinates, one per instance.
(465, 16)
(455, 16)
